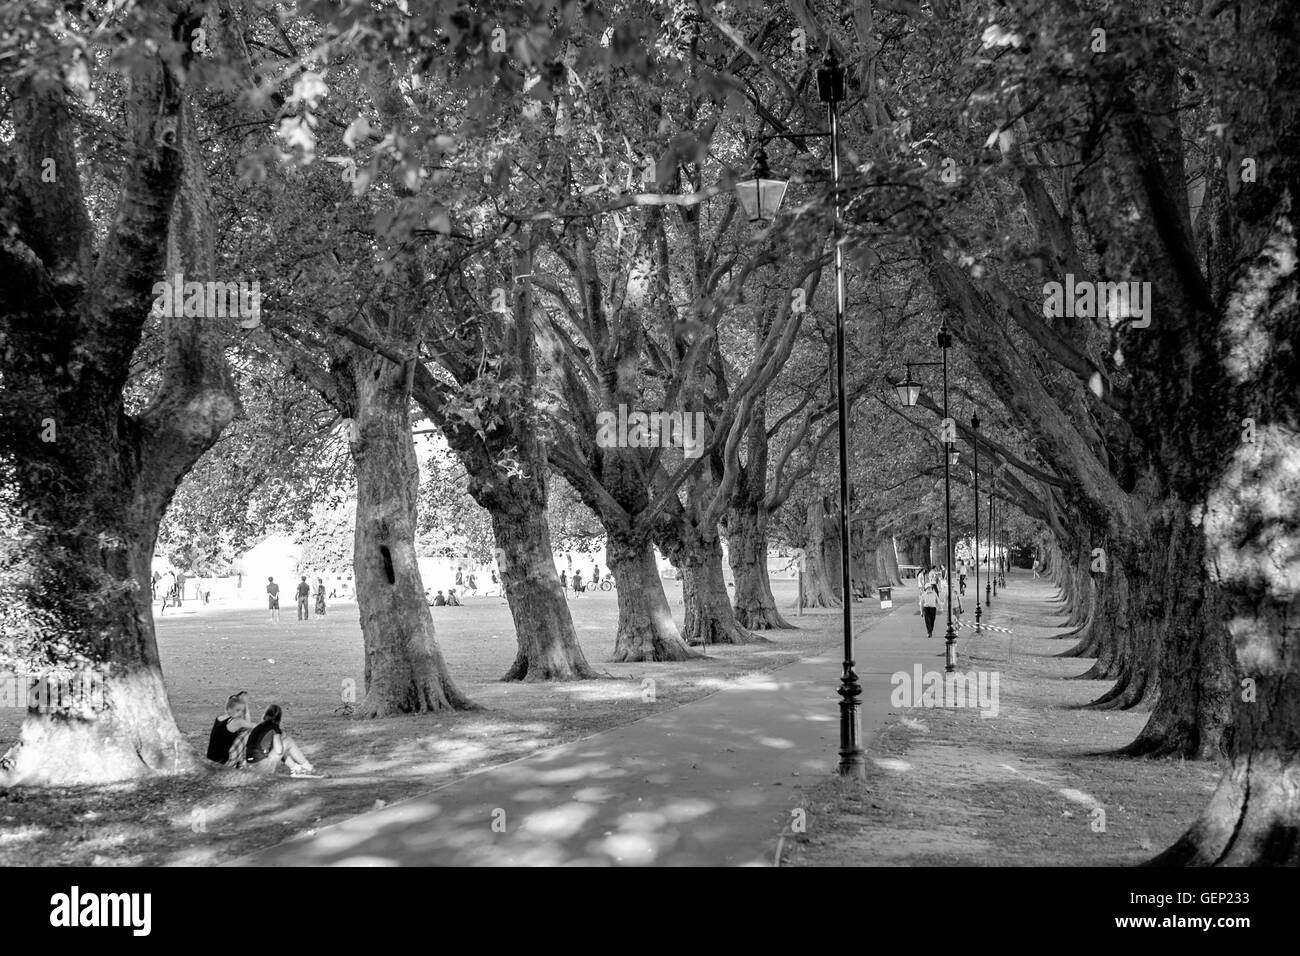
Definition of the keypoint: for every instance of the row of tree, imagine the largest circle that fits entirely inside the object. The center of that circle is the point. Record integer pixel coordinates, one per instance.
(508, 219)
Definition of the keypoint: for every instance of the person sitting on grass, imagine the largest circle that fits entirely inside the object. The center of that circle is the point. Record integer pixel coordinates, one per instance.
(452, 600)
(269, 746)
(439, 600)
(229, 737)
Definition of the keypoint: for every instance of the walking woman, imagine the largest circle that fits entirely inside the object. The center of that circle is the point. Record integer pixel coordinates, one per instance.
(930, 607)
(320, 597)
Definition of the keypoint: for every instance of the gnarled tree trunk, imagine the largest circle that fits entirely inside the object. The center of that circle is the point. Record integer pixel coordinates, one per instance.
(92, 480)
(405, 671)
(753, 602)
(709, 616)
(548, 644)
(646, 630)
(818, 587)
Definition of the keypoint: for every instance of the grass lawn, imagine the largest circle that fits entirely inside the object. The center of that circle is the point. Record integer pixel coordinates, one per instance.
(208, 653)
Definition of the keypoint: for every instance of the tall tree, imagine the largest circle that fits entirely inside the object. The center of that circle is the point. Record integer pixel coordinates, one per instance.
(91, 478)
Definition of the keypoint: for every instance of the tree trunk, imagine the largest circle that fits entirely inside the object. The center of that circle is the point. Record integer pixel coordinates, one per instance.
(709, 615)
(887, 562)
(646, 629)
(405, 672)
(753, 603)
(548, 644)
(1253, 536)
(817, 586)
(92, 481)
(1196, 672)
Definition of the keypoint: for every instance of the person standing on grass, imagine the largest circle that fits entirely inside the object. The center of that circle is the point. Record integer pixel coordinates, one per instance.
(303, 592)
(320, 597)
(577, 582)
(930, 607)
(472, 586)
(564, 580)
(272, 600)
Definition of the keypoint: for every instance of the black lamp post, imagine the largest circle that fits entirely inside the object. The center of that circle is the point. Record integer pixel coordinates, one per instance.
(761, 196)
(908, 393)
(988, 585)
(975, 443)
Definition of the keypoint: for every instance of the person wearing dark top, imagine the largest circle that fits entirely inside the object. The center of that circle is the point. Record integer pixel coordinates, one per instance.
(269, 746)
(272, 599)
(452, 600)
(304, 592)
(577, 582)
(439, 600)
(227, 729)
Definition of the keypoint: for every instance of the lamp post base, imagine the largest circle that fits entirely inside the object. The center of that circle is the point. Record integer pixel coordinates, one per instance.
(853, 761)
(950, 650)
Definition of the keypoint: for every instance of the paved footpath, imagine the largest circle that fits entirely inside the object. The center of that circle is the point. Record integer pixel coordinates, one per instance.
(712, 782)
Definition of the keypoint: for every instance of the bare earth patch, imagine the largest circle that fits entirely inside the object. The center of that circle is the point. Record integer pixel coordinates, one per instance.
(214, 817)
(1032, 786)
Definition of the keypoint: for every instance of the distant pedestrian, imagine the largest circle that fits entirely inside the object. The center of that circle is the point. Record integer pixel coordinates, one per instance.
(460, 577)
(564, 580)
(272, 600)
(930, 607)
(471, 586)
(595, 576)
(167, 584)
(577, 582)
(1038, 570)
(303, 592)
(320, 597)
(180, 588)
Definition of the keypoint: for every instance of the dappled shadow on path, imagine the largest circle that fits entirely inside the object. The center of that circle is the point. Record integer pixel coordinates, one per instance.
(706, 784)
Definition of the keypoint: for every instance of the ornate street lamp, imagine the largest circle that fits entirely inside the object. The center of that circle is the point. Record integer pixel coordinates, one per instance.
(760, 196)
(909, 391)
(908, 394)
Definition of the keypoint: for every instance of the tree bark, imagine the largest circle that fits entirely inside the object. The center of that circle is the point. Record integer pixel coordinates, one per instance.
(646, 629)
(94, 488)
(548, 643)
(405, 672)
(817, 586)
(709, 615)
(753, 603)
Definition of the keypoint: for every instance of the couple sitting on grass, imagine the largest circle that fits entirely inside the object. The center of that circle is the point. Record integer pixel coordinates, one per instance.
(236, 741)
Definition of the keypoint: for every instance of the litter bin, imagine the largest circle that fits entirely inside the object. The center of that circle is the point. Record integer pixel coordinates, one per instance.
(886, 597)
